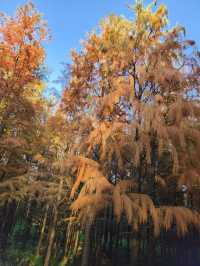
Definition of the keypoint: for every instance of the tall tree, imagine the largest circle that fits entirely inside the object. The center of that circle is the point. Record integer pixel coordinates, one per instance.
(134, 89)
(21, 103)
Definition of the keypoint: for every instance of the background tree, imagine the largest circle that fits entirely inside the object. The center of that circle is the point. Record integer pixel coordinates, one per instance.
(21, 103)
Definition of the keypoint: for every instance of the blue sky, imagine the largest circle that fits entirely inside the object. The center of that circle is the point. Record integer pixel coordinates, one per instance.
(70, 20)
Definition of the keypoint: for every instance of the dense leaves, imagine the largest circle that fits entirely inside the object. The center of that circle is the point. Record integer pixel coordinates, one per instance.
(116, 164)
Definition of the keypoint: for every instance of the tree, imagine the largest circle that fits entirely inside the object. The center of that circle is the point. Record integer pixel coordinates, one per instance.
(134, 89)
(21, 103)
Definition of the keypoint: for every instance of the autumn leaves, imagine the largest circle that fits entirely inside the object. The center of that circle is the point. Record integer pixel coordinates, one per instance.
(125, 135)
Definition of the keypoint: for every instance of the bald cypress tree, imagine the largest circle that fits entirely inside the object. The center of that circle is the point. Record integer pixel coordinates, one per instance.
(134, 90)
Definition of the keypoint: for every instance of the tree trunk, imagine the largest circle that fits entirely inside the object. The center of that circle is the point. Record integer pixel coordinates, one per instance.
(86, 247)
(42, 231)
(53, 227)
(7, 223)
(134, 250)
(51, 238)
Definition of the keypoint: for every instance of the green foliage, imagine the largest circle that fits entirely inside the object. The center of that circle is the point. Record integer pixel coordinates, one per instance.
(36, 261)
(22, 257)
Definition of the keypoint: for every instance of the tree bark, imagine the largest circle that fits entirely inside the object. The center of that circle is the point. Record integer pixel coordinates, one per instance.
(42, 231)
(51, 238)
(53, 227)
(86, 247)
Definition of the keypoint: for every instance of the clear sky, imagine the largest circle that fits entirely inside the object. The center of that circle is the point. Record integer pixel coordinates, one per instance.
(70, 20)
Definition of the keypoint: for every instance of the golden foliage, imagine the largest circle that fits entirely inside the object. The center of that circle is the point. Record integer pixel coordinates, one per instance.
(183, 218)
(130, 92)
(86, 168)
